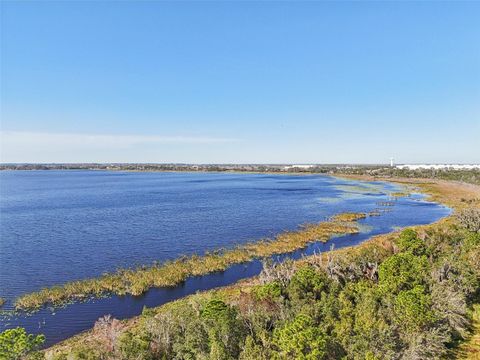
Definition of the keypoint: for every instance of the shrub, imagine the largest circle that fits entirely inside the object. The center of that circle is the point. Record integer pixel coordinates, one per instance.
(215, 309)
(134, 346)
(301, 339)
(307, 284)
(225, 330)
(408, 241)
(280, 272)
(271, 291)
(413, 309)
(451, 307)
(193, 342)
(470, 219)
(251, 351)
(16, 343)
(107, 330)
(402, 271)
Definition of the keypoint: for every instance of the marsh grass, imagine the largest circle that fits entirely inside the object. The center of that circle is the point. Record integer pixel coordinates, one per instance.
(399, 194)
(171, 273)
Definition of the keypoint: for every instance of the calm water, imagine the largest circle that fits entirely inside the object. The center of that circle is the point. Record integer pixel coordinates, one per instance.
(58, 226)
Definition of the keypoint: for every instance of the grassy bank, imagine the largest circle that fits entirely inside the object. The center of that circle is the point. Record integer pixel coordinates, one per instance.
(137, 281)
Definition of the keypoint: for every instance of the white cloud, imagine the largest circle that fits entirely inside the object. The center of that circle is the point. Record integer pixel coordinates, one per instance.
(102, 140)
(24, 146)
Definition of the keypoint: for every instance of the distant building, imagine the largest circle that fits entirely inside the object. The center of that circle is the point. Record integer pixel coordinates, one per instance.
(298, 167)
(439, 166)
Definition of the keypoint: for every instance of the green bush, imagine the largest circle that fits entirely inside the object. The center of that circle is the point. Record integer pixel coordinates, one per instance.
(16, 343)
(402, 271)
(225, 330)
(192, 342)
(301, 339)
(413, 309)
(134, 346)
(307, 284)
(408, 241)
(271, 291)
(216, 310)
(252, 351)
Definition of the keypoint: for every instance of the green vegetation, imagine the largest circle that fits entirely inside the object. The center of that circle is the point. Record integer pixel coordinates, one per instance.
(300, 338)
(16, 343)
(408, 296)
(468, 176)
(137, 281)
(414, 295)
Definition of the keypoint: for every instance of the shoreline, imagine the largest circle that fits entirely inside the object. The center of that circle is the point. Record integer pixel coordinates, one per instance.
(377, 240)
(447, 192)
(171, 273)
(454, 194)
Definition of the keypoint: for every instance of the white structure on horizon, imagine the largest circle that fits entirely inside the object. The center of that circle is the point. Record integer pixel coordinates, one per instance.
(391, 161)
(439, 166)
(299, 166)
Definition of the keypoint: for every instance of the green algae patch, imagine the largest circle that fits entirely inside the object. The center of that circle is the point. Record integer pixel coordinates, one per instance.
(171, 273)
(362, 188)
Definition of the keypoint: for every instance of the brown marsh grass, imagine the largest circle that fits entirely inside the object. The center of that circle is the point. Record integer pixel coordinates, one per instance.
(171, 273)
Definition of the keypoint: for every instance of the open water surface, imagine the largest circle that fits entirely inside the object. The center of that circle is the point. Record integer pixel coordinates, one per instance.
(58, 226)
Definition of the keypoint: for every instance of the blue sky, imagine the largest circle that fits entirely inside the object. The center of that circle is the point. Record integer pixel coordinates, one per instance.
(240, 82)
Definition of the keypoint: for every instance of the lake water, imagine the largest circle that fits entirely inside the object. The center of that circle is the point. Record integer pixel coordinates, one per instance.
(58, 226)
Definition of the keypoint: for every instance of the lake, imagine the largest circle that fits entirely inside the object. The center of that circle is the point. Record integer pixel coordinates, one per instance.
(58, 226)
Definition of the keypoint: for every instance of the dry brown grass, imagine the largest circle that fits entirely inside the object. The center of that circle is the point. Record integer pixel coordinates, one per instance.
(470, 350)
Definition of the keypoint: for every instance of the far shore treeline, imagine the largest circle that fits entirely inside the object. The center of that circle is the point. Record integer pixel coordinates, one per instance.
(381, 171)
